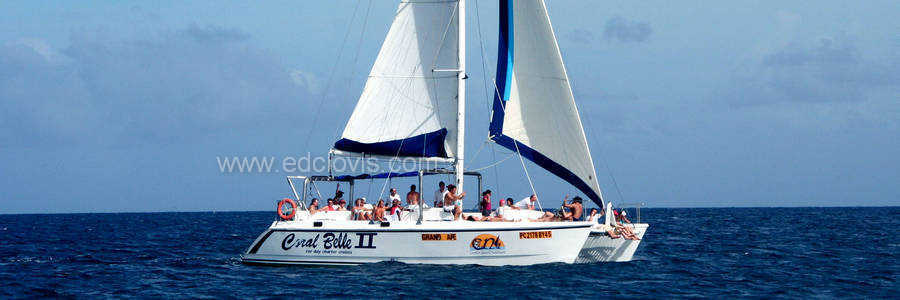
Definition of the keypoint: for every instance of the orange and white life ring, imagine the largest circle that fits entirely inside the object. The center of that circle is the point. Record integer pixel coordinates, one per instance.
(282, 214)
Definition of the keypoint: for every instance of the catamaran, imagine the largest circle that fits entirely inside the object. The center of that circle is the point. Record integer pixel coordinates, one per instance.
(413, 107)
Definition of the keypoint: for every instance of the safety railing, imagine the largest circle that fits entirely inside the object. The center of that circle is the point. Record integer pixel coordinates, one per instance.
(636, 205)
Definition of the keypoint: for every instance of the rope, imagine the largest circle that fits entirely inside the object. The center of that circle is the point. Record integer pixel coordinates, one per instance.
(328, 83)
(494, 164)
(522, 160)
(484, 81)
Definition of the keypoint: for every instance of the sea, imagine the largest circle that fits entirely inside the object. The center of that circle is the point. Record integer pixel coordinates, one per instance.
(687, 253)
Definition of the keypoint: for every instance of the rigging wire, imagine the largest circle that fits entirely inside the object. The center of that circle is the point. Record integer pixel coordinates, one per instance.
(318, 110)
(488, 99)
(605, 164)
(355, 65)
(530, 183)
(503, 106)
(409, 82)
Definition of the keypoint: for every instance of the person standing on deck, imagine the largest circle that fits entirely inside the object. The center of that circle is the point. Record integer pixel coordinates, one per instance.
(453, 202)
(439, 195)
(412, 197)
(394, 195)
(485, 203)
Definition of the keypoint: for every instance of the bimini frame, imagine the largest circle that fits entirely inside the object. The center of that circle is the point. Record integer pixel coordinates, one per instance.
(307, 180)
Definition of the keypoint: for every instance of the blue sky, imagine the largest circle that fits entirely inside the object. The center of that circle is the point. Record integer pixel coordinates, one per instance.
(124, 106)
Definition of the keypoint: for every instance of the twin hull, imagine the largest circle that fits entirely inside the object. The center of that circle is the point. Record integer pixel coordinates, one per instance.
(355, 242)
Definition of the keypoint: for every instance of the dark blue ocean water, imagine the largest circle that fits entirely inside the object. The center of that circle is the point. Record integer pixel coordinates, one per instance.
(750, 252)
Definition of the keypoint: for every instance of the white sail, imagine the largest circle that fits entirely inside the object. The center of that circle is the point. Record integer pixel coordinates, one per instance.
(534, 110)
(407, 108)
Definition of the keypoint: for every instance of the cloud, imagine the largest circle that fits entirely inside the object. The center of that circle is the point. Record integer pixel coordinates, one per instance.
(165, 86)
(580, 36)
(823, 70)
(212, 33)
(624, 30)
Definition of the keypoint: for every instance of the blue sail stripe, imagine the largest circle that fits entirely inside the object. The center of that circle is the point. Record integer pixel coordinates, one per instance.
(549, 165)
(505, 51)
(504, 65)
(424, 145)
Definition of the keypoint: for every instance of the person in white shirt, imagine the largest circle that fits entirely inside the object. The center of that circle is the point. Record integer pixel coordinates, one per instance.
(527, 203)
(504, 211)
(394, 195)
(439, 195)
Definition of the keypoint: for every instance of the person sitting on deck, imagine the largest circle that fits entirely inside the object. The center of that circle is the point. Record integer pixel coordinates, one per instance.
(622, 228)
(359, 210)
(378, 212)
(342, 204)
(395, 208)
(313, 206)
(504, 210)
(501, 215)
(331, 206)
(412, 195)
(593, 216)
(576, 210)
(369, 208)
(439, 195)
(527, 203)
(453, 202)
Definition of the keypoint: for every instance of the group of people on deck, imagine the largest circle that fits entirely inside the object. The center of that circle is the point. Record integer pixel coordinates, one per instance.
(361, 210)
(447, 198)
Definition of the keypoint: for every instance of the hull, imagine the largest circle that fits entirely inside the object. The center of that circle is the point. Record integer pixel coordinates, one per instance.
(358, 242)
(599, 247)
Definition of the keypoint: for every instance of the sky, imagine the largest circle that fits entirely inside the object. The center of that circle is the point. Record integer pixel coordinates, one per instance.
(120, 106)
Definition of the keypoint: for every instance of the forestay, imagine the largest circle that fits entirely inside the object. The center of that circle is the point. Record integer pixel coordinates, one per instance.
(534, 111)
(408, 109)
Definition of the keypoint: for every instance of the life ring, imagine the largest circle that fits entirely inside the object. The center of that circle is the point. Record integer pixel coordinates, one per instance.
(281, 205)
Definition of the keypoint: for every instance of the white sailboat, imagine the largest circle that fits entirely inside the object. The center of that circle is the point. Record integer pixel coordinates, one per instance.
(413, 106)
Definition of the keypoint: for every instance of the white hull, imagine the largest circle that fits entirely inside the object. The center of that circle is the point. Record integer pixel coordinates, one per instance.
(357, 242)
(599, 247)
(330, 239)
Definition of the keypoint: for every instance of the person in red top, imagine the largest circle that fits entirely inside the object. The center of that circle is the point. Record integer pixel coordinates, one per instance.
(396, 208)
(330, 206)
(485, 203)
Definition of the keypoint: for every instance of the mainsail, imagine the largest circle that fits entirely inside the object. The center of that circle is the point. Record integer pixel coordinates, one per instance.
(534, 111)
(408, 107)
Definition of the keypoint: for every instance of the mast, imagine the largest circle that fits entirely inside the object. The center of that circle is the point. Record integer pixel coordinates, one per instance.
(461, 103)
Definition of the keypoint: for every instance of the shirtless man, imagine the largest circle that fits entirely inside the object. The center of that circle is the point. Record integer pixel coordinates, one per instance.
(378, 214)
(313, 206)
(576, 209)
(412, 197)
(453, 202)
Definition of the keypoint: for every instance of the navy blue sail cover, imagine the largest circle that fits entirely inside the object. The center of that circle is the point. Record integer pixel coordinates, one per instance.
(424, 145)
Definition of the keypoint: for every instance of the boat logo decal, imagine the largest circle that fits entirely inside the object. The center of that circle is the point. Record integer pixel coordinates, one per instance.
(438, 236)
(536, 235)
(331, 242)
(487, 243)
